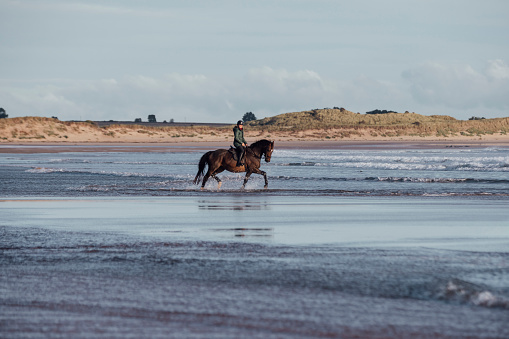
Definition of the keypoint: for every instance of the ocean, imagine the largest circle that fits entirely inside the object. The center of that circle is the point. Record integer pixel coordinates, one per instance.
(437, 172)
(344, 244)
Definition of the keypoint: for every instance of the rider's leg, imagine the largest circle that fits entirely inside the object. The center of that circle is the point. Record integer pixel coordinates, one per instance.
(240, 155)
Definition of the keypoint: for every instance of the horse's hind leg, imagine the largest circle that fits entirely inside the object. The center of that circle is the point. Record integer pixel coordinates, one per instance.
(219, 182)
(205, 178)
(213, 175)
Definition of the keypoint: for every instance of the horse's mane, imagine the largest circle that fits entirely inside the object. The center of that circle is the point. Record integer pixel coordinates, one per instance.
(260, 143)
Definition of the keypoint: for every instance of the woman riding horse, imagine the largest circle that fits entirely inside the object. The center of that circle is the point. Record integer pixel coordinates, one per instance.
(222, 159)
(239, 142)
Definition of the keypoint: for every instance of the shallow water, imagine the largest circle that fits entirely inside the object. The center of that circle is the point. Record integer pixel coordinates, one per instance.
(123, 245)
(458, 172)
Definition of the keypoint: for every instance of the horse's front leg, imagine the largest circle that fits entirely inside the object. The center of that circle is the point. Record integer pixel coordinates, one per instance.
(266, 180)
(264, 177)
(246, 178)
(257, 171)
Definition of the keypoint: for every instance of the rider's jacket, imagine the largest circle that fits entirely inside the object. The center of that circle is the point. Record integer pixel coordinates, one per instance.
(238, 137)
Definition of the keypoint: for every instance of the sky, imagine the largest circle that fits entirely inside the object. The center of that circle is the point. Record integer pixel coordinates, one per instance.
(213, 61)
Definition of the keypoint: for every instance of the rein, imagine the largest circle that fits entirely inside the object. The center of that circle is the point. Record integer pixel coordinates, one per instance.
(254, 154)
(261, 146)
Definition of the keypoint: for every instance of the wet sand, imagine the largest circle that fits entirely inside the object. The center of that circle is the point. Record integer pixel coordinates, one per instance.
(306, 221)
(257, 267)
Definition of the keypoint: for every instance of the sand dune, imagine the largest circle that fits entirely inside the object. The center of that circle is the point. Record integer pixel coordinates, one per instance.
(37, 130)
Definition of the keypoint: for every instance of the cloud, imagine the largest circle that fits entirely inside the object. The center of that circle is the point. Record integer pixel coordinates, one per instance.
(497, 70)
(138, 10)
(274, 91)
(460, 86)
(264, 91)
(183, 97)
(278, 89)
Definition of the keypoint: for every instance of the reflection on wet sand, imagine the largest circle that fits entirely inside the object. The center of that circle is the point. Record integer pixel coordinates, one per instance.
(234, 205)
(248, 231)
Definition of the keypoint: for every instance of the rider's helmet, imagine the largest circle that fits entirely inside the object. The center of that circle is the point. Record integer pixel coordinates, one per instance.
(239, 122)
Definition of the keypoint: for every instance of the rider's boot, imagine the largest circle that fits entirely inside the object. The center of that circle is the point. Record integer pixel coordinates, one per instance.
(240, 158)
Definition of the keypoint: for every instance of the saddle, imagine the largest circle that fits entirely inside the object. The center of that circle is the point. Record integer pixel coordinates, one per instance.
(233, 152)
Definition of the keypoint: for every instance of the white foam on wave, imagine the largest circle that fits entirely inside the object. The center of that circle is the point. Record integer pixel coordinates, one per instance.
(484, 298)
(411, 166)
(44, 170)
(401, 160)
(465, 292)
(422, 180)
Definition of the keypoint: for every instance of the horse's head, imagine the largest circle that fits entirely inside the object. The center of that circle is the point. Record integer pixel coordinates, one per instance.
(263, 148)
(268, 150)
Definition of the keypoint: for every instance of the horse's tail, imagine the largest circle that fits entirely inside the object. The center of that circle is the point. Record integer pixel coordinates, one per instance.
(201, 167)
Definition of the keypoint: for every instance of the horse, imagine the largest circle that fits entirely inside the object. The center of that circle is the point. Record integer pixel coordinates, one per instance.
(222, 159)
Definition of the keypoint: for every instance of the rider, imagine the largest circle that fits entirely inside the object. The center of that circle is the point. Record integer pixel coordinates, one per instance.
(239, 142)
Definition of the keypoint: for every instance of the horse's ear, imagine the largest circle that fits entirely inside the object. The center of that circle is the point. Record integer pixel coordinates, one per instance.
(273, 143)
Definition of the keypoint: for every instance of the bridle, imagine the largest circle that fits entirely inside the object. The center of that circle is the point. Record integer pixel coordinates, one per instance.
(263, 152)
(254, 153)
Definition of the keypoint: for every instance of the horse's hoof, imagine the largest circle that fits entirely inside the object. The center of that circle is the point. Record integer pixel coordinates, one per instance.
(266, 186)
(202, 188)
(243, 187)
(219, 185)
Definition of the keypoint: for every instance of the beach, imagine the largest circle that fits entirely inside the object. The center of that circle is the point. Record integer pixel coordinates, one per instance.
(367, 196)
(253, 267)
(200, 145)
(351, 240)
(29, 134)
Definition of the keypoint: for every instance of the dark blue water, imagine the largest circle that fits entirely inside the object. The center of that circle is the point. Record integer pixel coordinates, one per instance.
(442, 172)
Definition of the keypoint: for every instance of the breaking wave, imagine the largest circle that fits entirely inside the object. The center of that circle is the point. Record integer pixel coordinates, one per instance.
(44, 170)
(460, 291)
(439, 180)
(473, 166)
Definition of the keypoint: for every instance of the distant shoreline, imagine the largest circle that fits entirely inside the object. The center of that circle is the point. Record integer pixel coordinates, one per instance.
(35, 134)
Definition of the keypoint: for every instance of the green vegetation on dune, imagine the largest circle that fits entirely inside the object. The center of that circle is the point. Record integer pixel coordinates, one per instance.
(315, 124)
(389, 124)
(331, 118)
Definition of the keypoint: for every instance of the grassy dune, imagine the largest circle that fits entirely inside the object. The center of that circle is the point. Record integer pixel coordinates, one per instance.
(347, 124)
(320, 124)
(38, 129)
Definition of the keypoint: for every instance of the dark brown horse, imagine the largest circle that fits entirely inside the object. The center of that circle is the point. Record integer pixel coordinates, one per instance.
(222, 159)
